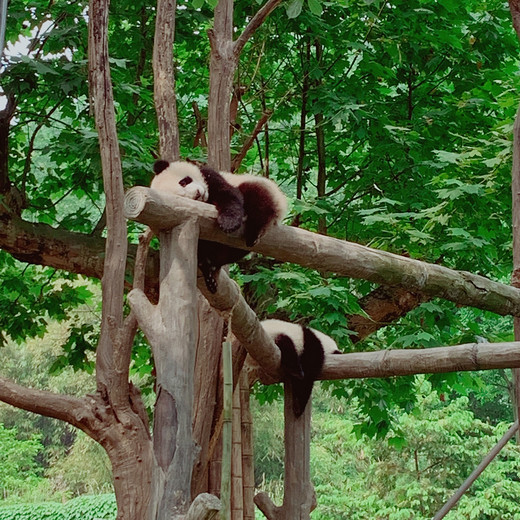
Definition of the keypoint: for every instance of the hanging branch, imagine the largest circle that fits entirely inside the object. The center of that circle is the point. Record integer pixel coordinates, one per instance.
(239, 157)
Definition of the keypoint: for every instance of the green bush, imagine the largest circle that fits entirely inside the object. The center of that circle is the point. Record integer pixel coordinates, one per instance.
(47, 511)
(96, 507)
(91, 507)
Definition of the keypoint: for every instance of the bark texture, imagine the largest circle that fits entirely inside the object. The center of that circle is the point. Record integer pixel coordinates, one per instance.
(299, 498)
(170, 328)
(164, 80)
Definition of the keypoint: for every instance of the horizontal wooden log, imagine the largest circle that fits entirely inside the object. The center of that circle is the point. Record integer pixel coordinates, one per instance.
(387, 363)
(288, 244)
(383, 363)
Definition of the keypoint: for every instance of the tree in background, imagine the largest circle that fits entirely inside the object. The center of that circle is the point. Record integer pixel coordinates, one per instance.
(388, 124)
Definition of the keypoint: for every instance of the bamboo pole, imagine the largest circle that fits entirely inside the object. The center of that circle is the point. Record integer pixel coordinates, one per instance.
(237, 491)
(248, 473)
(476, 473)
(227, 436)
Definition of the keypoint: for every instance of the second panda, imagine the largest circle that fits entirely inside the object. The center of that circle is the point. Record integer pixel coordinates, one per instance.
(256, 202)
(303, 352)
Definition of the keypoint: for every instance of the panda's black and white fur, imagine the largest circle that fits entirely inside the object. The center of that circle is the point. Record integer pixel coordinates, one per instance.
(255, 202)
(303, 352)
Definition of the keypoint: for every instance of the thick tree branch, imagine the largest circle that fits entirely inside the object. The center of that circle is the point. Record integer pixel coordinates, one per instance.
(311, 250)
(63, 407)
(384, 305)
(388, 363)
(111, 338)
(385, 363)
(254, 24)
(41, 244)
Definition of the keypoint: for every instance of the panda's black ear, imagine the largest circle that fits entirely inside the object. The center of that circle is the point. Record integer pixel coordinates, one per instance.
(160, 166)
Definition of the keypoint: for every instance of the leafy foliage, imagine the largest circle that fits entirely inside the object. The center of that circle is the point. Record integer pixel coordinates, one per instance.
(416, 101)
(18, 467)
(442, 442)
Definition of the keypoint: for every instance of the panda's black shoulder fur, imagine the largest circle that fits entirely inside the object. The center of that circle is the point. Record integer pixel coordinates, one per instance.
(228, 200)
(301, 369)
(302, 352)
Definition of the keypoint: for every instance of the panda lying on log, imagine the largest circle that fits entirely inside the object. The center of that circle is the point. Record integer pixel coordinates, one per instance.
(256, 202)
(303, 352)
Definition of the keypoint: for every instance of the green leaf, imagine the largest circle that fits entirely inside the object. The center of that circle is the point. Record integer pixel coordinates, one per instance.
(294, 8)
(197, 4)
(315, 7)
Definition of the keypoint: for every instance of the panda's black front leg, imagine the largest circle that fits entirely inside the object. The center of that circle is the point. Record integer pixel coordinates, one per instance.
(228, 200)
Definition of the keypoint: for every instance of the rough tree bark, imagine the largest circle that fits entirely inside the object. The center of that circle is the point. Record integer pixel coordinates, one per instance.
(170, 327)
(298, 497)
(129, 449)
(164, 80)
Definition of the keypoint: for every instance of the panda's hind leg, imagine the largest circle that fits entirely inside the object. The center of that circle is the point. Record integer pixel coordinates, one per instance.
(211, 257)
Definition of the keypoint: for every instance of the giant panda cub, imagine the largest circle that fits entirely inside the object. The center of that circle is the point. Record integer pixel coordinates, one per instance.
(303, 352)
(254, 201)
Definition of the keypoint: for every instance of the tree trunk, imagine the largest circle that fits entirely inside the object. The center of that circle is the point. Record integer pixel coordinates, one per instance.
(299, 499)
(515, 188)
(171, 327)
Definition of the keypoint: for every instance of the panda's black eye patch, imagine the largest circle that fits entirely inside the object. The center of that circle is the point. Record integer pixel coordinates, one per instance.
(187, 180)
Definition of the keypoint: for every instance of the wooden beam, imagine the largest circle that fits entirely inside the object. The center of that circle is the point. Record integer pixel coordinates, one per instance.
(324, 253)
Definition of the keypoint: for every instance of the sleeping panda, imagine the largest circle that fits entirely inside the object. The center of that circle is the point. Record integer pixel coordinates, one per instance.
(254, 201)
(303, 352)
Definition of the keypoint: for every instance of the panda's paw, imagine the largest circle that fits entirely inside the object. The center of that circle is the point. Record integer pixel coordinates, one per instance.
(211, 284)
(228, 223)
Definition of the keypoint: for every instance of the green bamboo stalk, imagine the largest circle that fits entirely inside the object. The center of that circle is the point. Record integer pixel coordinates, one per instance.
(225, 485)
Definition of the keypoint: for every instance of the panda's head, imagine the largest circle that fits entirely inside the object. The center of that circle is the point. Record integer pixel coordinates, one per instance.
(180, 178)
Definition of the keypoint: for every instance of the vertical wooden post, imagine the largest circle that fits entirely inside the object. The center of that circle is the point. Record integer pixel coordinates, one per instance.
(299, 498)
(171, 328)
(298, 501)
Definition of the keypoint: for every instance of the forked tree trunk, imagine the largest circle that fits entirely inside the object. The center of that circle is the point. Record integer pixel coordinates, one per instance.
(170, 328)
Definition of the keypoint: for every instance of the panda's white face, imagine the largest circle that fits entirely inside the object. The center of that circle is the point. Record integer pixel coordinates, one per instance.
(182, 179)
